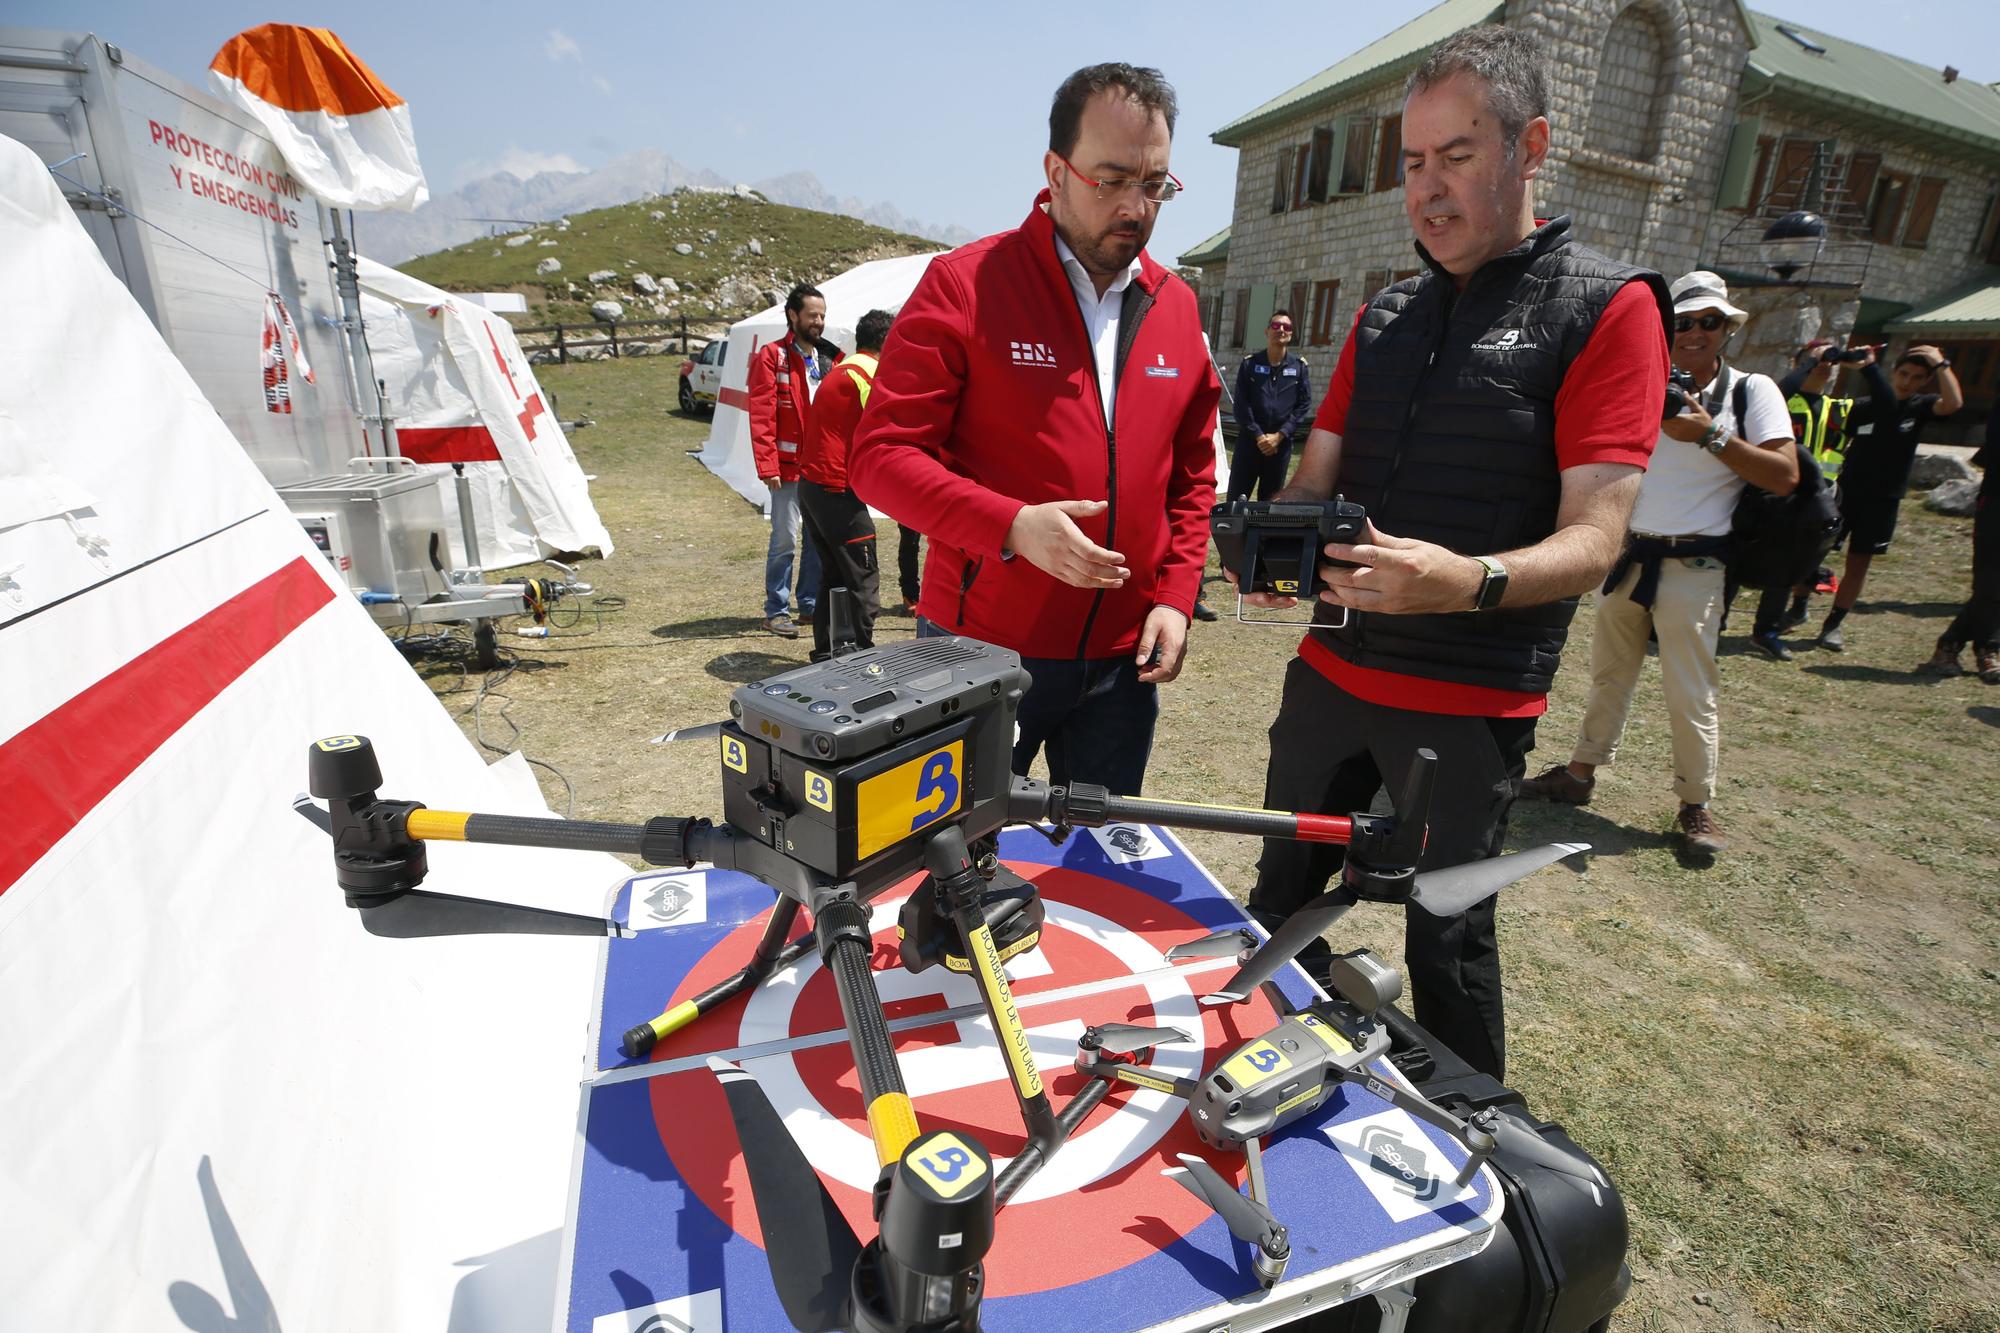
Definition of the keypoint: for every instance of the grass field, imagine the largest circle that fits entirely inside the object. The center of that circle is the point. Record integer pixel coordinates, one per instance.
(1787, 1062)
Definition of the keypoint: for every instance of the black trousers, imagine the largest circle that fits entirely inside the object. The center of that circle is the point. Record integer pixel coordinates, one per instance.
(1329, 753)
(844, 532)
(1978, 623)
(906, 564)
(1250, 469)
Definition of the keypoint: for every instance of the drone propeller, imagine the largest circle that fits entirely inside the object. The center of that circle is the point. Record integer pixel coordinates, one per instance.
(1454, 889)
(1247, 1219)
(1222, 944)
(696, 733)
(811, 1248)
(1445, 892)
(1300, 929)
(1511, 1136)
(419, 913)
(1125, 1038)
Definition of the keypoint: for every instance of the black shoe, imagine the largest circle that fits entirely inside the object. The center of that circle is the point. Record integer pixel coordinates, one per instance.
(1203, 611)
(1773, 647)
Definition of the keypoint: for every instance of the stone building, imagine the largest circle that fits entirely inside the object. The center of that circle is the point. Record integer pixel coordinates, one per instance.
(1681, 129)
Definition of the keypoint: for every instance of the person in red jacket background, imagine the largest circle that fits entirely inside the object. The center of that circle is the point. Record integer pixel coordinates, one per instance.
(784, 376)
(1045, 414)
(841, 528)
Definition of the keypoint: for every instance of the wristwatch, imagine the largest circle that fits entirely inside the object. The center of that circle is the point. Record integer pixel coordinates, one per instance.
(1717, 438)
(1492, 583)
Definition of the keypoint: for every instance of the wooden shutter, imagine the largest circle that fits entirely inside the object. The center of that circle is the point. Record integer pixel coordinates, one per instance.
(1987, 243)
(1923, 212)
(1857, 185)
(1326, 296)
(1373, 281)
(1788, 182)
(1389, 154)
(1242, 317)
(1300, 292)
(1281, 185)
(1322, 164)
(1760, 177)
(1301, 160)
(1737, 185)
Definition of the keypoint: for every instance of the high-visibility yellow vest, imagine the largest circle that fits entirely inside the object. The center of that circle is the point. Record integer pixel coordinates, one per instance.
(1825, 435)
(863, 365)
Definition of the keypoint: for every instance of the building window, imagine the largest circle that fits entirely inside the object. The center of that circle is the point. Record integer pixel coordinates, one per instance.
(1326, 296)
(1389, 154)
(1853, 186)
(1788, 180)
(1360, 136)
(1322, 161)
(1372, 283)
(1237, 329)
(1301, 160)
(1892, 191)
(1281, 187)
(1987, 243)
(1633, 79)
(1300, 291)
(1760, 177)
(1923, 212)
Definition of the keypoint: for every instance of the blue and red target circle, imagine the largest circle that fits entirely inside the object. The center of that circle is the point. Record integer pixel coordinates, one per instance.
(1099, 1206)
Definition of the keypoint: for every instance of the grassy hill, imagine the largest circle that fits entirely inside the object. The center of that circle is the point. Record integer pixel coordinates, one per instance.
(720, 278)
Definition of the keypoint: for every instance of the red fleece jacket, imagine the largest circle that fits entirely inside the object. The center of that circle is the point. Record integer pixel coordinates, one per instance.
(987, 401)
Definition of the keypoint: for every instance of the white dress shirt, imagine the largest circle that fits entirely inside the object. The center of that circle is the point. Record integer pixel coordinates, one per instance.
(1100, 318)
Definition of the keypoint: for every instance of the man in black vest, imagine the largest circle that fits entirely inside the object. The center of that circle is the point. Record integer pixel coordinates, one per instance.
(1494, 414)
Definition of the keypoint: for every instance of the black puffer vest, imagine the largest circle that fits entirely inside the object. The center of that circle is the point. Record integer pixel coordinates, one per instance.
(1450, 438)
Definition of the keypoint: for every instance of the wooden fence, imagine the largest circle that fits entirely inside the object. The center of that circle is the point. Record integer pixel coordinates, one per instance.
(566, 340)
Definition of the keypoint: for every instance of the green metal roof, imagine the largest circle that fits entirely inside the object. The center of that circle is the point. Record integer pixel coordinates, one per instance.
(1211, 251)
(1858, 79)
(1391, 57)
(1973, 309)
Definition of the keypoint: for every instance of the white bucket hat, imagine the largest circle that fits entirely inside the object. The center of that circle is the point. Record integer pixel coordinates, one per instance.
(1702, 290)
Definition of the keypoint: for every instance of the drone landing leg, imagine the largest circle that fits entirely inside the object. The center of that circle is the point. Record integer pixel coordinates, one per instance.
(840, 924)
(771, 955)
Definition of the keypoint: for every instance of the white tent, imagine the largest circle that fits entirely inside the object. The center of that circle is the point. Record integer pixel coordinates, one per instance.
(881, 284)
(460, 391)
(226, 1104)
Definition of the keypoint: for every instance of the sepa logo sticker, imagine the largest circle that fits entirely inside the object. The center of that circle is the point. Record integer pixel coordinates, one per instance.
(679, 899)
(1390, 1153)
(1032, 354)
(1129, 843)
(700, 1312)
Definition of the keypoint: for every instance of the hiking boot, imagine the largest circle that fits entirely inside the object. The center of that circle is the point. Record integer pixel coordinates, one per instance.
(1203, 611)
(1557, 785)
(1833, 640)
(782, 626)
(1988, 660)
(1944, 662)
(806, 619)
(1700, 834)
(1773, 647)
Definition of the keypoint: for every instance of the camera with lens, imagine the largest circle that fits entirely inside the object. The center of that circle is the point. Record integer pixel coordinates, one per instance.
(1681, 393)
(1274, 546)
(1845, 356)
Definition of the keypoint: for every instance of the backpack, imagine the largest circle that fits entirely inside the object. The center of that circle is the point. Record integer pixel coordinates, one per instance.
(1780, 540)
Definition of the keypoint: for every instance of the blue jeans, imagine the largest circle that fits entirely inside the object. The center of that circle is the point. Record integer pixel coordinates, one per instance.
(778, 558)
(1094, 717)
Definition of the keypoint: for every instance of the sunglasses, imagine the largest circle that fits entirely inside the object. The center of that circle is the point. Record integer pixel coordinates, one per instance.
(1706, 323)
(1279, 326)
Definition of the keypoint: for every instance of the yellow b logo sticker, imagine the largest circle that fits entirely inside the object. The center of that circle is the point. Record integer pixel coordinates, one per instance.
(819, 792)
(1286, 586)
(947, 1165)
(332, 743)
(1256, 1064)
(734, 755)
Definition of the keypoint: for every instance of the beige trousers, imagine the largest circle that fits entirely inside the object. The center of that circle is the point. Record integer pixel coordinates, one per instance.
(1687, 617)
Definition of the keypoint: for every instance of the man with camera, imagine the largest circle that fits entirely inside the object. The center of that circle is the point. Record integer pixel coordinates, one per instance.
(1820, 423)
(1728, 429)
(1045, 416)
(1493, 415)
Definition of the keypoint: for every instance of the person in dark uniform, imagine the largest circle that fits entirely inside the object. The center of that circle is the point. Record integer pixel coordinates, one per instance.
(1273, 399)
(1877, 471)
(1978, 622)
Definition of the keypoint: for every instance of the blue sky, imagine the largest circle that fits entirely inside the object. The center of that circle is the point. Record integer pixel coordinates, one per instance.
(940, 110)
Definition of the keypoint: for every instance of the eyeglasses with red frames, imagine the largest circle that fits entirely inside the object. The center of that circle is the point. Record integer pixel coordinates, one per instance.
(1279, 326)
(1154, 192)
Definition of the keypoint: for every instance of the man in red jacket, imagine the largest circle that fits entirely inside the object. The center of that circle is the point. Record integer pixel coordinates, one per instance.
(1045, 414)
(840, 526)
(784, 376)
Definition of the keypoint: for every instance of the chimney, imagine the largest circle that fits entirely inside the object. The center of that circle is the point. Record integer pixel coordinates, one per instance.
(1950, 74)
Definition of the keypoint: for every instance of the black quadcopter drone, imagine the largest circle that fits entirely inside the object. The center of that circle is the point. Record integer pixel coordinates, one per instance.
(841, 780)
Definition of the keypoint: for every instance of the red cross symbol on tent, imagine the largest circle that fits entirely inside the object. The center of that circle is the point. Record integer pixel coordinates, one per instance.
(533, 406)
